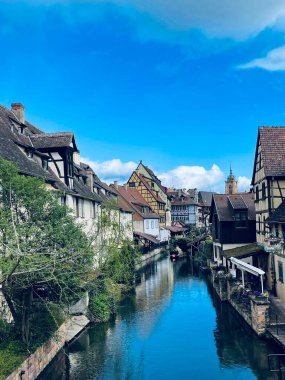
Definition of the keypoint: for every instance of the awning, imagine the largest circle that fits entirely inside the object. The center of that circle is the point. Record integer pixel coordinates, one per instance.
(245, 267)
(147, 237)
(244, 251)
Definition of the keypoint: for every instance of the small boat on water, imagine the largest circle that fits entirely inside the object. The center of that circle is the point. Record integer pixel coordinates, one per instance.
(174, 255)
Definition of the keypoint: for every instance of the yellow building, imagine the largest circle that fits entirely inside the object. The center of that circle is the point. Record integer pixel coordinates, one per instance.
(149, 186)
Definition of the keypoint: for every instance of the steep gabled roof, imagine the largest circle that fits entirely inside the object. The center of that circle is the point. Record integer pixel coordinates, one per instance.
(11, 152)
(135, 200)
(53, 140)
(205, 197)
(154, 178)
(227, 204)
(272, 141)
(14, 144)
(152, 191)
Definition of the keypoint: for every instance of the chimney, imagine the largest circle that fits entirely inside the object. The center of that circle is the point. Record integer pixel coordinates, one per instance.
(116, 184)
(179, 193)
(126, 186)
(76, 157)
(90, 178)
(18, 110)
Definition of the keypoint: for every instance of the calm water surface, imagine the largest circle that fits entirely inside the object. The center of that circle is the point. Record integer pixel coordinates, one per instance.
(172, 327)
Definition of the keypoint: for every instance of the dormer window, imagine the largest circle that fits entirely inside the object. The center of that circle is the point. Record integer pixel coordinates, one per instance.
(241, 219)
(21, 129)
(45, 163)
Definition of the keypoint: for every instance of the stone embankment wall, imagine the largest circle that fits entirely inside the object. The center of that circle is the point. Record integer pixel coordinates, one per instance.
(36, 363)
(254, 310)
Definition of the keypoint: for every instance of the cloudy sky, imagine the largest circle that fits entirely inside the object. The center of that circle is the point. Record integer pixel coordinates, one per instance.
(181, 84)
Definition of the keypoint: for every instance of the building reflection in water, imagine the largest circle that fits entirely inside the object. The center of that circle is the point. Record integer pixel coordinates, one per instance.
(172, 326)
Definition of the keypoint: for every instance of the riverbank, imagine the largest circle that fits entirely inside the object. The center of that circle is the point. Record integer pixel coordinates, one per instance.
(31, 368)
(33, 365)
(173, 317)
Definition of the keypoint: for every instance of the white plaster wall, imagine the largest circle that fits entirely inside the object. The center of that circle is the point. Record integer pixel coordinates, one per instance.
(126, 220)
(164, 235)
(151, 227)
(138, 225)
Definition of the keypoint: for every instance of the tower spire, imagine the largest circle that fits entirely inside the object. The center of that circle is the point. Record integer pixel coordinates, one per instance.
(231, 183)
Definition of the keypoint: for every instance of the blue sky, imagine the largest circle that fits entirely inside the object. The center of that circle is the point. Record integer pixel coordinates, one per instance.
(181, 85)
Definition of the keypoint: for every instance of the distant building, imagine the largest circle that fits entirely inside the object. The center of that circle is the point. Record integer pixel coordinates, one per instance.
(193, 194)
(145, 220)
(183, 208)
(231, 184)
(205, 201)
(151, 189)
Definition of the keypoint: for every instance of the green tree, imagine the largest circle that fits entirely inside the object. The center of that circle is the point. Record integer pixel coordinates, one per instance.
(44, 253)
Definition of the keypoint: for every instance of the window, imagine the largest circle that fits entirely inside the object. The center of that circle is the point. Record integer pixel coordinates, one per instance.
(156, 223)
(152, 224)
(132, 184)
(69, 164)
(280, 271)
(276, 227)
(79, 207)
(152, 184)
(92, 210)
(62, 200)
(263, 191)
(283, 231)
(257, 193)
(45, 164)
(147, 224)
(21, 130)
(241, 219)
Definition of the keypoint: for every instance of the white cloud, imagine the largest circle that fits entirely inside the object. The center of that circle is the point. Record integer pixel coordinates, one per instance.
(243, 183)
(194, 177)
(224, 18)
(273, 61)
(239, 20)
(111, 169)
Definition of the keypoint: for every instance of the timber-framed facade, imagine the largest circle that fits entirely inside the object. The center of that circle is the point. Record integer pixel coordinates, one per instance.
(146, 188)
(268, 178)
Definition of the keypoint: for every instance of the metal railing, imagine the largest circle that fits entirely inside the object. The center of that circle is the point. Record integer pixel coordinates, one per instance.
(279, 364)
(278, 324)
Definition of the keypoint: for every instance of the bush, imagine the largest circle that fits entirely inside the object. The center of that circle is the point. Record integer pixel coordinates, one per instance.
(12, 351)
(100, 307)
(11, 357)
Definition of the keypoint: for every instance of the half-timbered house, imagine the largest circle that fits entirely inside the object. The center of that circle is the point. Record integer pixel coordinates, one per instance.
(155, 183)
(268, 179)
(147, 188)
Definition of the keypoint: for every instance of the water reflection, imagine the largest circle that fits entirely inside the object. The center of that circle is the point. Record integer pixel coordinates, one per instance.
(172, 327)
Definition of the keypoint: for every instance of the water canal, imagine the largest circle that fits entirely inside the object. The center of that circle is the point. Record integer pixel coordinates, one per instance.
(173, 327)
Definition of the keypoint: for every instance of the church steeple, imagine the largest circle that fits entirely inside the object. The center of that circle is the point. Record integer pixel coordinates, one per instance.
(231, 183)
